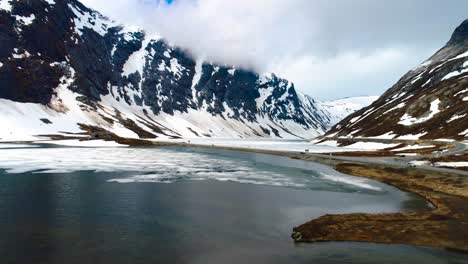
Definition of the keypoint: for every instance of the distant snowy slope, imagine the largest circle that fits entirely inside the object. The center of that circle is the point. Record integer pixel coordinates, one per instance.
(341, 108)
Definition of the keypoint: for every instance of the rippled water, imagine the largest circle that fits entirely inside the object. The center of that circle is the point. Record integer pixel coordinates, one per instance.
(172, 205)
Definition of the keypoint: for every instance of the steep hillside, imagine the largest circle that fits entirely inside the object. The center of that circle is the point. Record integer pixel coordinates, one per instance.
(63, 66)
(429, 102)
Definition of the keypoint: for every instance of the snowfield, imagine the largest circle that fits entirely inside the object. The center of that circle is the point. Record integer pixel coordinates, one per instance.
(414, 147)
(452, 164)
(341, 108)
(28, 121)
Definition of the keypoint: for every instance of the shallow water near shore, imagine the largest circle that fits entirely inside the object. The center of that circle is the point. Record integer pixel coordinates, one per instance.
(176, 205)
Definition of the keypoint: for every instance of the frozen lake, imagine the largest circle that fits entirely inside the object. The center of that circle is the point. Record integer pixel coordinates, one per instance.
(175, 205)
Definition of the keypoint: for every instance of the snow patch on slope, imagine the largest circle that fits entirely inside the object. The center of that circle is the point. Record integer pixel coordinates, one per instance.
(26, 20)
(91, 20)
(5, 5)
(452, 164)
(136, 61)
(408, 120)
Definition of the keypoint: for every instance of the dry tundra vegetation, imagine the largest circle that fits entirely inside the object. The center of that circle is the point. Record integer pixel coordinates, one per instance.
(445, 226)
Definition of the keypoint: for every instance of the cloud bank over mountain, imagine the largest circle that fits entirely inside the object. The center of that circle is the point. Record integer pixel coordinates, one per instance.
(330, 49)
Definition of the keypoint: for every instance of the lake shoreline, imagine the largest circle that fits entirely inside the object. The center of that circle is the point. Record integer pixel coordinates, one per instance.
(446, 226)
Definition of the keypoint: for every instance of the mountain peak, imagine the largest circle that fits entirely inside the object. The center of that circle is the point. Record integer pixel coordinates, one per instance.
(460, 35)
(80, 70)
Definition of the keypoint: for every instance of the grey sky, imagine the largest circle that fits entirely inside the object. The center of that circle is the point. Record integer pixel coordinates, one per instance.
(328, 48)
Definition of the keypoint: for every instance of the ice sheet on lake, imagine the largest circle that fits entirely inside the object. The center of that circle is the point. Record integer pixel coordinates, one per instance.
(278, 145)
(159, 165)
(84, 143)
(13, 146)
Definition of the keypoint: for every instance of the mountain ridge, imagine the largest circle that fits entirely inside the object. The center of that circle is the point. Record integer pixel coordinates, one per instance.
(73, 63)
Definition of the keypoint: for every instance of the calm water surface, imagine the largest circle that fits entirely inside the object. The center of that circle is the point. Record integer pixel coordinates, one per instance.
(172, 205)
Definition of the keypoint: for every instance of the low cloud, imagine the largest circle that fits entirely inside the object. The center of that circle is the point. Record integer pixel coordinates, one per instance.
(330, 49)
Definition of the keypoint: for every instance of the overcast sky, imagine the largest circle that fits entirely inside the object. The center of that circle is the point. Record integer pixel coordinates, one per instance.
(328, 48)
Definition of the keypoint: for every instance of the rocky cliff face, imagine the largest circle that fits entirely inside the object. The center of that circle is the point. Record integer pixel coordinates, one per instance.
(429, 102)
(64, 61)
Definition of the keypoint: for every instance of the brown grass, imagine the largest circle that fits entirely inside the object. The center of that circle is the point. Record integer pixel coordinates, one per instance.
(446, 226)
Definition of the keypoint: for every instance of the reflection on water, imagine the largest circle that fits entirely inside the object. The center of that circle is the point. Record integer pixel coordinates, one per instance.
(79, 216)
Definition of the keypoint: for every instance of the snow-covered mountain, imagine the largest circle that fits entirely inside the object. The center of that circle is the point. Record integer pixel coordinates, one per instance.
(65, 69)
(429, 102)
(341, 108)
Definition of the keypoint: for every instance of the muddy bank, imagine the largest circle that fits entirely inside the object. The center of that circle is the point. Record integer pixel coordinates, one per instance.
(446, 226)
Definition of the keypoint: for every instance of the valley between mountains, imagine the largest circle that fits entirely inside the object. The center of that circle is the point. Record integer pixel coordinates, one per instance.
(70, 76)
